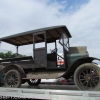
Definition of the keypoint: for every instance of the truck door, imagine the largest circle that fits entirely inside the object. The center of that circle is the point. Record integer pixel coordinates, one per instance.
(40, 50)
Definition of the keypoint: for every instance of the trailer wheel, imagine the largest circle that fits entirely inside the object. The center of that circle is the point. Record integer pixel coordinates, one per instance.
(87, 77)
(34, 82)
(12, 79)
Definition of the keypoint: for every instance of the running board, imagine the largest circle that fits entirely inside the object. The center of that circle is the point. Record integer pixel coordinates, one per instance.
(44, 75)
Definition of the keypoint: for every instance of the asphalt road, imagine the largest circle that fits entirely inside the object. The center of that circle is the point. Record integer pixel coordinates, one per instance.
(55, 87)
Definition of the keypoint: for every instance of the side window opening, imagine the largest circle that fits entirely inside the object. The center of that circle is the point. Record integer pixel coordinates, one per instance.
(50, 47)
(40, 45)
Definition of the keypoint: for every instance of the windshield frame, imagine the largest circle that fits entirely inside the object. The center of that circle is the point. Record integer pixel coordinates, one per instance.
(62, 41)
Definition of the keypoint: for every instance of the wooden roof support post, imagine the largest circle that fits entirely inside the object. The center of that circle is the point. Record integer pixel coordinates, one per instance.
(17, 51)
(33, 46)
(55, 44)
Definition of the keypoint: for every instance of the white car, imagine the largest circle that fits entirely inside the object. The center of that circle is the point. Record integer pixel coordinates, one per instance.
(58, 81)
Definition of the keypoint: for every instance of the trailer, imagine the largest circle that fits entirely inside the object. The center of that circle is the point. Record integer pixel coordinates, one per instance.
(47, 94)
(43, 65)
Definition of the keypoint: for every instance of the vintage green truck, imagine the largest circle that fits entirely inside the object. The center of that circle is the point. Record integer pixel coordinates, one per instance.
(42, 65)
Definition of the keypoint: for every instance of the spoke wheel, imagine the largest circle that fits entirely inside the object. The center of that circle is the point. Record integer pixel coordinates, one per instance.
(12, 79)
(34, 82)
(87, 77)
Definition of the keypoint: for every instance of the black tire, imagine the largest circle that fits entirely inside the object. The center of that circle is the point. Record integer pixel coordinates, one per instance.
(87, 77)
(12, 79)
(34, 82)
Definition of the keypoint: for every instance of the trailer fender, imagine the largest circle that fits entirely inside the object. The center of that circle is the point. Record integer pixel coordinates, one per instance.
(76, 64)
(14, 66)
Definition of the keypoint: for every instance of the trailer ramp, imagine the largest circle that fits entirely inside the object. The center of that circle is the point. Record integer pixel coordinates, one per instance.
(46, 94)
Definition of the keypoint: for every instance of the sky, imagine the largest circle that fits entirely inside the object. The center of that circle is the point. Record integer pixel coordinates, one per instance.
(81, 17)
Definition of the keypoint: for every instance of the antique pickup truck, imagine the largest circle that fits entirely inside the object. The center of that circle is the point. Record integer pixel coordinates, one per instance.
(43, 65)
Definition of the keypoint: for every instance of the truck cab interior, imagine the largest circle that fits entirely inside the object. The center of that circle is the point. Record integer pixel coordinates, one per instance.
(51, 57)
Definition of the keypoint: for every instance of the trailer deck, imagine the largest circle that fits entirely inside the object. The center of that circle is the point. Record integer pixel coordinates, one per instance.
(46, 94)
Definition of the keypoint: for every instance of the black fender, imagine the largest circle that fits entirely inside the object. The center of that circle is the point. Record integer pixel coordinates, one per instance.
(14, 66)
(76, 64)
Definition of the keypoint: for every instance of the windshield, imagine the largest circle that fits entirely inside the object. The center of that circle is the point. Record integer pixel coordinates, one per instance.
(64, 41)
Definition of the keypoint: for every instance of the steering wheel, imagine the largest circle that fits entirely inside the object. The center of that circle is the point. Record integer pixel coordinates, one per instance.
(54, 50)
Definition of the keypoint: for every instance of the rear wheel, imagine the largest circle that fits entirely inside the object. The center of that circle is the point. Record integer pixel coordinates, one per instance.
(34, 82)
(87, 77)
(12, 79)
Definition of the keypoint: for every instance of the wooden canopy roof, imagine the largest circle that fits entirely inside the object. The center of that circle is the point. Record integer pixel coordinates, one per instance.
(52, 33)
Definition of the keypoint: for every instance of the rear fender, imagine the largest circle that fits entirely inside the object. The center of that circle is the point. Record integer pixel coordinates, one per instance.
(70, 71)
(14, 66)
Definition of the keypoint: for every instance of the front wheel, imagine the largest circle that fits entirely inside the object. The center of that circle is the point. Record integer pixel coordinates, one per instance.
(34, 82)
(87, 77)
(12, 79)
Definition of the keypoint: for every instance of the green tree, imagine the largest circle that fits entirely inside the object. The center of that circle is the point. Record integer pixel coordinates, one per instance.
(15, 55)
(9, 54)
(2, 55)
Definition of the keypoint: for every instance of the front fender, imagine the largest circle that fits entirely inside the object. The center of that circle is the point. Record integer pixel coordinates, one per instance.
(76, 64)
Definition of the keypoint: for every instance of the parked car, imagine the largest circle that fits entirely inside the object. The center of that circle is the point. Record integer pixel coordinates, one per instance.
(60, 60)
(56, 81)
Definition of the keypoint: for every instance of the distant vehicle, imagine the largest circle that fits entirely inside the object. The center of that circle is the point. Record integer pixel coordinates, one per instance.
(60, 60)
(56, 81)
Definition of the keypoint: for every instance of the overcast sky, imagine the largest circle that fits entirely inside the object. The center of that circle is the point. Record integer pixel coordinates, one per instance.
(81, 17)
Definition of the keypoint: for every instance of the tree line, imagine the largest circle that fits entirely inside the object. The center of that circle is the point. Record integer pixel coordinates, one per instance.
(9, 54)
